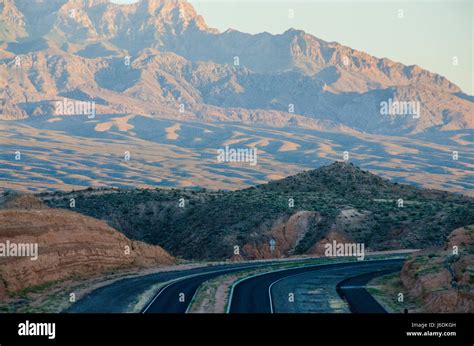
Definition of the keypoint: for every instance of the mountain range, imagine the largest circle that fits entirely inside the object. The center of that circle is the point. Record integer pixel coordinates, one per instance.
(171, 90)
(77, 49)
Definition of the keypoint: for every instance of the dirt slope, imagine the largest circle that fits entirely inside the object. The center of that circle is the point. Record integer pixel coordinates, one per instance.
(69, 244)
(441, 280)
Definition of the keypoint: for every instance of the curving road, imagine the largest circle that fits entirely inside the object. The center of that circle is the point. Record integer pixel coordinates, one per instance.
(176, 296)
(254, 294)
(353, 291)
(250, 295)
(118, 296)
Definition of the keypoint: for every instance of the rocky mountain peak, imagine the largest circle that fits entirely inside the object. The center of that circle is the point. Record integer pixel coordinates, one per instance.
(341, 85)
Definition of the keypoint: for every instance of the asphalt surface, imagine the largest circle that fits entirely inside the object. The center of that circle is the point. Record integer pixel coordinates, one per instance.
(253, 295)
(315, 291)
(120, 295)
(250, 295)
(354, 292)
(176, 297)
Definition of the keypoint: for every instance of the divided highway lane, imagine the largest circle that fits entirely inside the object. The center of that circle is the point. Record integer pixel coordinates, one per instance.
(176, 296)
(253, 295)
(354, 292)
(316, 291)
(120, 295)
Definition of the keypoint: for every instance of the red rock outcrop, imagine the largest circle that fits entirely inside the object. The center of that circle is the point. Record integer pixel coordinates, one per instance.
(440, 279)
(286, 234)
(69, 244)
(318, 249)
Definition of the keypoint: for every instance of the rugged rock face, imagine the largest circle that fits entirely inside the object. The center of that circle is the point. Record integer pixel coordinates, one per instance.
(69, 244)
(318, 249)
(441, 280)
(286, 234)
(75, 49)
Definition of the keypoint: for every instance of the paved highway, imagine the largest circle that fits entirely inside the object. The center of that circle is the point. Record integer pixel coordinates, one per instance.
(250, 295)
(176, 296)
(254, 295)
(120, 295)
(354, 292)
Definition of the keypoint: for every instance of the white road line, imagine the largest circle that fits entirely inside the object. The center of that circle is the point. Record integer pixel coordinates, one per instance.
(289, 276)
(229, 301)
(277, 281)
(193, 275)
(157, 295)
(231, 292)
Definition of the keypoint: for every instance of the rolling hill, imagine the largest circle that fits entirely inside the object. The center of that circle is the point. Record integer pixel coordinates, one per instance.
(339, 201)
(171, 90)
